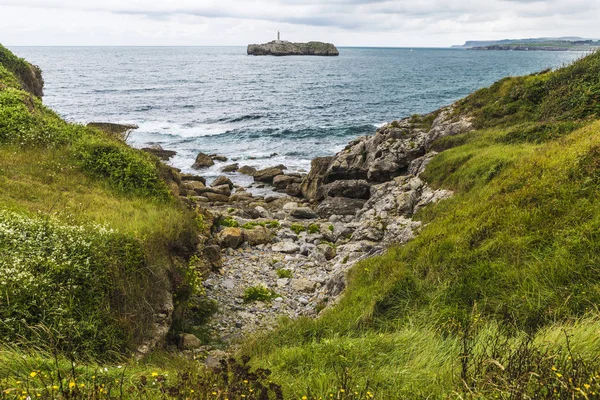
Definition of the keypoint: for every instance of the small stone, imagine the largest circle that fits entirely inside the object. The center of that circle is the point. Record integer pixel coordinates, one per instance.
(303, 300)
(303, 285)
(303, 213)
(228, 284)
(290, 206)
(282, 282)
(285, 247)
(327, 250)
(230, 168)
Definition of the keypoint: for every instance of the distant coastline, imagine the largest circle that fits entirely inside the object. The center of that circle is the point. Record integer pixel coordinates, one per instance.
(535, 44)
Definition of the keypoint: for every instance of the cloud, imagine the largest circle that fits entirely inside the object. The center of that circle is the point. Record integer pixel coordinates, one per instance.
(348, 22)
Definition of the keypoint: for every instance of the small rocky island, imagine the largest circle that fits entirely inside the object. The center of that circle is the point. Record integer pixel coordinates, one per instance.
(284, 48)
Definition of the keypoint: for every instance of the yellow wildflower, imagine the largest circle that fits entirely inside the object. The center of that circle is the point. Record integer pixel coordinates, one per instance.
(155, 374)
(71, 384)
(585, 385)
(33, 374)
(558, 375)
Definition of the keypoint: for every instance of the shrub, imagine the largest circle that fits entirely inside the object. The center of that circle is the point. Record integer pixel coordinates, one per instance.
(126, 169)
(284, 273)
(297, 228)
(229, 222)
(259, 293)
(314, 228)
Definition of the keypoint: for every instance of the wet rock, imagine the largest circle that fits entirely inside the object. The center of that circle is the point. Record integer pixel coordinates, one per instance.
(303, 213)
(267, 174)
(282, 181)
(339, 206)
(222, 180)
(203, 161)
(231, 168)
(190, 177)
(217, 157)
(247, 170)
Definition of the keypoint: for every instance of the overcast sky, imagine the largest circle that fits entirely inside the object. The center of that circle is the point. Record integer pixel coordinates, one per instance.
(396, 23)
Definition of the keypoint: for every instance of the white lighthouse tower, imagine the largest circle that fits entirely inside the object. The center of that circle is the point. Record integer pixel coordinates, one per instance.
(278, 36)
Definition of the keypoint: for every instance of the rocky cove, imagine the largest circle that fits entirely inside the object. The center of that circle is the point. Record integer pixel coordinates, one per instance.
(287, 254)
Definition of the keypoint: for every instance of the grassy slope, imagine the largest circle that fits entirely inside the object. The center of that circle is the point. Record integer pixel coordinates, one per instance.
(87, 221)
(514, 254)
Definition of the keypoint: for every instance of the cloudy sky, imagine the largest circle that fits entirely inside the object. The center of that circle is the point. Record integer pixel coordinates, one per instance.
(239, 22)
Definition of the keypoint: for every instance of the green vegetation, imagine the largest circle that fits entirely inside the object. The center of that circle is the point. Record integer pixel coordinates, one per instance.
(314, 228)
(90, 236)
(229, 222)
(274, 224)
(297, 228)
(498, 293)
(284, 273)
(259, 293)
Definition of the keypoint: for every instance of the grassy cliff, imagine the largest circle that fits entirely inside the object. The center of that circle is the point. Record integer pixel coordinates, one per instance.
(498, 295)
(90, 234)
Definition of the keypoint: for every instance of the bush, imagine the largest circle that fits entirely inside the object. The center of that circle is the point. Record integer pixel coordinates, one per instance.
(125, 169)
(229, 222)
(284, 273)
(259, 293)
(297, 228)
(72, 280)
(314, 228)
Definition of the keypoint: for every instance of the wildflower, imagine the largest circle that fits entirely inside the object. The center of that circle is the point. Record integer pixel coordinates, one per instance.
(245, 381)
(71, 384)
(192, 391)
(554, 368)
(214, 393)
(155, 374)
(342, 390)
(33, 374)
(82, 385)
(304, 398)
(585, 385)
(558, 375)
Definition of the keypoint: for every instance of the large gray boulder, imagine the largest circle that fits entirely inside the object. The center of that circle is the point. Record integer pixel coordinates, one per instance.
(312, 182)
(354, 189)
(339, 206)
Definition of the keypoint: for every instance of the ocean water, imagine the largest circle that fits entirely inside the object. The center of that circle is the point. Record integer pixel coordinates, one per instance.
(263, 111)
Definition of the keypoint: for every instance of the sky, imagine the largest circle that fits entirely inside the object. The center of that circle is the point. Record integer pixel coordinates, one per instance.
(378, 23)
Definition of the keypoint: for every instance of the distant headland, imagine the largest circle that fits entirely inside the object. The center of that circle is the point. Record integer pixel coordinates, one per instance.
(535, 44)
(284, 48)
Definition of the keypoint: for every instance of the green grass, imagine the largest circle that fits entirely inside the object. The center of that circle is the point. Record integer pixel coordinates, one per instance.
(513, 254)
(88, 226)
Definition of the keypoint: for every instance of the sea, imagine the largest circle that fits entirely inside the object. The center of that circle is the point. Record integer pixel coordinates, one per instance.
(264, 111)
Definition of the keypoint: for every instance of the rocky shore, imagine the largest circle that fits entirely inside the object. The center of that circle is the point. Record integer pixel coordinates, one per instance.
(287, 254)
(284, 48)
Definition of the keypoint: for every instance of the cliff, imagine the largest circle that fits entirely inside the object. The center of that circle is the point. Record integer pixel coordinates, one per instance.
(283, 48)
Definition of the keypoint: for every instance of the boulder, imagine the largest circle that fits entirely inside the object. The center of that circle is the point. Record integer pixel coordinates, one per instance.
(193, 178)
(203, 161)
(267, 174)
(313, 181)
(240, 196)
(222, 189)
(231, 168)
(193, 185)
(159, 152)
(217, 157)
(222, 180)
(354, 189)
(257, 235)
(327, 250)
(187, 341)
(247, 170)
(294, 190)
(287, 247)
(339, 206)
(215, 197)
(282, 181)
(230, 238)
(303, 213)
(212, 254)
(303, 285)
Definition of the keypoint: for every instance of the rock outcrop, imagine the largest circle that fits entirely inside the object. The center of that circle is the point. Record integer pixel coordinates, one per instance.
(284, 48)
